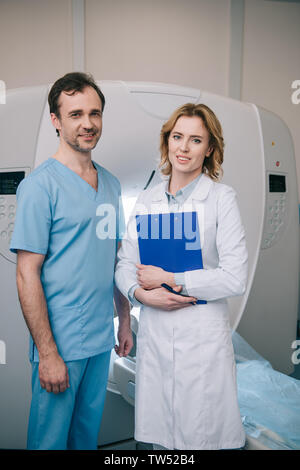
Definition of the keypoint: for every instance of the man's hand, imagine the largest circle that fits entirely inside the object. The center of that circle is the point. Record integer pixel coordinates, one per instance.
(53, 373)
(163, 299)
(151, 277)
(125, 340)
(124, 331)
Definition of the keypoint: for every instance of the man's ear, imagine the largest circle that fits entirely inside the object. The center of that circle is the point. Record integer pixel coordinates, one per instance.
(55, 121)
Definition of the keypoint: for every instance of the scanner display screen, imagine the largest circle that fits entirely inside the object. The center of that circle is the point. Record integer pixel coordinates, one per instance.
(9, 181)
(277, 184)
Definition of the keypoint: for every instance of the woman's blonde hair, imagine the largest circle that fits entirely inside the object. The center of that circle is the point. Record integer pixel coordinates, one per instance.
(211, 164)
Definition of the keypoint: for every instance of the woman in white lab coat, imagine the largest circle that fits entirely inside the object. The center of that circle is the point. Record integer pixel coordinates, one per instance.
(186, 393)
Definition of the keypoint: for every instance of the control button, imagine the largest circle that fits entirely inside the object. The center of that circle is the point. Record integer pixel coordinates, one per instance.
(3, 234)
(11, 216)
(11, 225)
(2, 215)
(11, 207)
(2, 199)
(2, 208)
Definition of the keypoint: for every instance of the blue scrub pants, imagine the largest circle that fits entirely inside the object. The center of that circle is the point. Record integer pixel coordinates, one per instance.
(69, 420)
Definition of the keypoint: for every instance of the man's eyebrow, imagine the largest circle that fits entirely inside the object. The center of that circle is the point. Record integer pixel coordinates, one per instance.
(75, 111)
(97, 110)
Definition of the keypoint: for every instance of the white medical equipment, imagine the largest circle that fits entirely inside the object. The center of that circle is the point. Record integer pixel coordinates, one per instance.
(259, 163)
(268, 400)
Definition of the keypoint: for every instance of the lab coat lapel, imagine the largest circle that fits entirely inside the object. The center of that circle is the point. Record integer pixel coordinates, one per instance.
(202, 189)
(196, 202)
(159, 200)
(199, 193)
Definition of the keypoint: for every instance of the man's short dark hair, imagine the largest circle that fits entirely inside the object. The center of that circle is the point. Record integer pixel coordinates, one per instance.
(71, 83)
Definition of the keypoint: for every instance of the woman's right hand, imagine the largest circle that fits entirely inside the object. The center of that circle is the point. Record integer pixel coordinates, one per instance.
(162, 298)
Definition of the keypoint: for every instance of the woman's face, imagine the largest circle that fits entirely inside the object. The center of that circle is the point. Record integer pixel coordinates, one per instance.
(188, 147)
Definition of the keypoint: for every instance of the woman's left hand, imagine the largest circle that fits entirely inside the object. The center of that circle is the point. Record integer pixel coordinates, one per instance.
(150, 277)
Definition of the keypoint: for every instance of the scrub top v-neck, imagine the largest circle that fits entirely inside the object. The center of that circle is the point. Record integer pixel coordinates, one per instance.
(58, 215)
(78, 181)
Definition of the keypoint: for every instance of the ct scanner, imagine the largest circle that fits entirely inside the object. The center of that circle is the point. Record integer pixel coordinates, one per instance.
(259, 163)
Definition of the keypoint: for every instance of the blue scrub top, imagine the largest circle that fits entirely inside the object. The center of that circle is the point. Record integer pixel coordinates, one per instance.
(77, 228)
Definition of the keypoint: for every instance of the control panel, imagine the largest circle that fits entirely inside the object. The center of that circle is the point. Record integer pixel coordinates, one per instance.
(10, 178)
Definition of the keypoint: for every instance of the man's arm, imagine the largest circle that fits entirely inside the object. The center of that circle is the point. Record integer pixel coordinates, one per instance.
(53, 372)
(124, 332)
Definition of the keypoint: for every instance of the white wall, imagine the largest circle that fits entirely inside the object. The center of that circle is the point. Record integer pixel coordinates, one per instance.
(35, 41)
(173, 41)
(271, 60)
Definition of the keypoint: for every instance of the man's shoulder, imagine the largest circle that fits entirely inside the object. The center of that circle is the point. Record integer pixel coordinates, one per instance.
(38, 178)
(40, 172)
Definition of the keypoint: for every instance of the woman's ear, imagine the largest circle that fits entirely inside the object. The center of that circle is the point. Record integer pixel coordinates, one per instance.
(209, 152)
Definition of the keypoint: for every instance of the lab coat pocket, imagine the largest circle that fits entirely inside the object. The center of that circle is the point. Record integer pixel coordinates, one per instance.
(218, 340)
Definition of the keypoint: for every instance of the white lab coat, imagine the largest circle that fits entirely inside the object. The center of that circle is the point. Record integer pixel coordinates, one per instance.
(186, 393)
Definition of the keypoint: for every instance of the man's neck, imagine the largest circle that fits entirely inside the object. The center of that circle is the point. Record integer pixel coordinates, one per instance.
(80, 162)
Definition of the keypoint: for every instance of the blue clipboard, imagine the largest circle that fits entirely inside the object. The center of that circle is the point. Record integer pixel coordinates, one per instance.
(170, 241)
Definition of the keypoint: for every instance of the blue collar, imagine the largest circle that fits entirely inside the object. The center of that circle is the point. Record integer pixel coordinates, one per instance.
(183, 193)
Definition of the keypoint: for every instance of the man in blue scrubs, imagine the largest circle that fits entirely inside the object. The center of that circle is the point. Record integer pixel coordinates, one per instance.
(65, 271)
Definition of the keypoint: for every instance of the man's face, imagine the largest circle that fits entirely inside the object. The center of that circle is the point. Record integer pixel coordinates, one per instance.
(80, 121)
